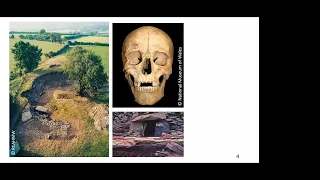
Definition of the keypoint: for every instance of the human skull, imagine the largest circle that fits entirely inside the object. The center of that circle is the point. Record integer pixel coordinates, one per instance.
(147, 56)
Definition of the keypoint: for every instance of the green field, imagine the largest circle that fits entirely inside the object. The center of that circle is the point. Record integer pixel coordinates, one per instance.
(92, 39)
(102, 51)
(44, 45)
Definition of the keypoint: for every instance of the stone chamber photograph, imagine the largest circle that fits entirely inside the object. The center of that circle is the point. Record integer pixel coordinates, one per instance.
(148, 134)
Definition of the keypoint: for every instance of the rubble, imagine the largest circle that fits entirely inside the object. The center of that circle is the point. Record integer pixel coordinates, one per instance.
(175, 147)
(147, 147)
(41, 126)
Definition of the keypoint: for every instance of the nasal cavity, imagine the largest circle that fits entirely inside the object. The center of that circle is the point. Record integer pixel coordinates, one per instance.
(147, 67)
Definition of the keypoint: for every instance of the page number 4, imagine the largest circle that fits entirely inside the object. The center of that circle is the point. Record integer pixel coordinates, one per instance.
(237, 156)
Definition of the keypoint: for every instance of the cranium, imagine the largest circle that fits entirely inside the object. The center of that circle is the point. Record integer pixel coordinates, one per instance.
(147, 56)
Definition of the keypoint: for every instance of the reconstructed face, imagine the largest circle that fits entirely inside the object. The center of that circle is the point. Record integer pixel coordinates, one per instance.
(147, 54)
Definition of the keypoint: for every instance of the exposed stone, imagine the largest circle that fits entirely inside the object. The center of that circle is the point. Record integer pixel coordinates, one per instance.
(26, 116)
(47, 136)
(27, 108)
(42, 109)
(135, 114)
(179, 132)
(174, 134)
(101, 116)
(175, 147)
(149, 117)
(161, 153)
(121, 128)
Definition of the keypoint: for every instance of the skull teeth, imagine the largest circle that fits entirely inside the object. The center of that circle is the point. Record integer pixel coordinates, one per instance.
(146, 84)
(146, 89)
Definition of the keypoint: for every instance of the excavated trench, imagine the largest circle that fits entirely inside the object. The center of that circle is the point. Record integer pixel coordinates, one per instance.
(43, 87)
(36, 122)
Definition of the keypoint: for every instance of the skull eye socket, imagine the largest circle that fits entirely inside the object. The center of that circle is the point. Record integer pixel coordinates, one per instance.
(160, 58)
(134, 58)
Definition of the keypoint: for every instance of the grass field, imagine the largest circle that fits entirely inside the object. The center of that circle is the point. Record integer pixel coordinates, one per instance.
(45, 46)
(102, 51)
(92, 39)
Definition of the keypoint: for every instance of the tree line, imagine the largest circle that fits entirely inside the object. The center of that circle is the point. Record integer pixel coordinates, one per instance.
(60, 51)
(87, 43)
(74, 36)
(45, 36)
(19, 32)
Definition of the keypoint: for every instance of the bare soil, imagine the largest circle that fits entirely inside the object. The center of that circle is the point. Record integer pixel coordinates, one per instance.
(42, 126)
(43, 88)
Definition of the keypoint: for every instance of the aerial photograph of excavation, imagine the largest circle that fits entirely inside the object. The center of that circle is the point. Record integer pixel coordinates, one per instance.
(59, 92)
(148, 134)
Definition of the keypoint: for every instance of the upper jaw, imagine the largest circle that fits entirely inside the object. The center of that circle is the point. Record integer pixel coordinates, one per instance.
(148, 87)
(146, 84)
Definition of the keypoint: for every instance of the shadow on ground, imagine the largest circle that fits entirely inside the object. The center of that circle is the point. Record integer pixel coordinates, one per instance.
(24, 153)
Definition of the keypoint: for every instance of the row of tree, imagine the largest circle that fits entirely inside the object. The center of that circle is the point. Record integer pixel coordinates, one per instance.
(51, 37)
(87, 43)
(60, 51)
(24, 32)
(74, 36)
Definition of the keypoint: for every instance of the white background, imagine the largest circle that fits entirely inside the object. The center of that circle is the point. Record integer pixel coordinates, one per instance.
(221, 90)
